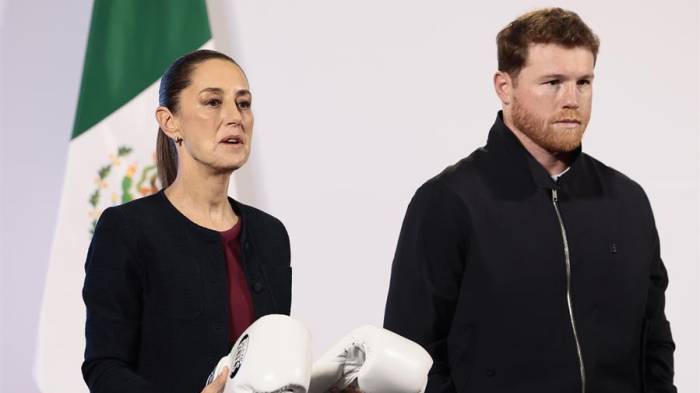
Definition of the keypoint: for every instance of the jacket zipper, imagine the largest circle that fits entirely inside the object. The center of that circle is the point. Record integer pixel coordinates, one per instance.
(567, 259)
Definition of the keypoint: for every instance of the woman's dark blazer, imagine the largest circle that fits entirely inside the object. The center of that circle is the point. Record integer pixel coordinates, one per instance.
(156, 293)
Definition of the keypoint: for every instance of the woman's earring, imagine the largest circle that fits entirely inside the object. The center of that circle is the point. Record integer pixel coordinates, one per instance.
(178, 140)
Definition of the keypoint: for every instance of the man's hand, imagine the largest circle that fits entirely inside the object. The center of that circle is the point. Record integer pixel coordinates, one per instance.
(218, 385)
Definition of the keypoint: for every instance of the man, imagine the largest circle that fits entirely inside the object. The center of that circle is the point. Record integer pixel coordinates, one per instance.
(530, 266)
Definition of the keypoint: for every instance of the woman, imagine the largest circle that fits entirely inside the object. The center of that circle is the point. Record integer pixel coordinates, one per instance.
(172, 279)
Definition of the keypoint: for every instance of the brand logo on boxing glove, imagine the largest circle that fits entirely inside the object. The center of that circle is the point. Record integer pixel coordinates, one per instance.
(238, 357)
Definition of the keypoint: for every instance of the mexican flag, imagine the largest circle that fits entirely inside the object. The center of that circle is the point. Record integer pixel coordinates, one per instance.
(111, 157)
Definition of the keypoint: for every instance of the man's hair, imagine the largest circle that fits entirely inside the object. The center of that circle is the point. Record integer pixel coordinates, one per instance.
(545, 26)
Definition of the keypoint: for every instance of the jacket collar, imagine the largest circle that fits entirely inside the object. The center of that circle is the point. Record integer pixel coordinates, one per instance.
(211, 235)
(516, 171)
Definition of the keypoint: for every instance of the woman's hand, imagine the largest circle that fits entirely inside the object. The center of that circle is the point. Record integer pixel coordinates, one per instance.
(217, 386)
(349, 389)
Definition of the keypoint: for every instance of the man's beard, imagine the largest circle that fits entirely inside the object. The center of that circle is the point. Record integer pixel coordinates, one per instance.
(547, 135)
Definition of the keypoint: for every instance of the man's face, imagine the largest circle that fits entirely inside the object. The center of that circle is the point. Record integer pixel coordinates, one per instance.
(551, 96)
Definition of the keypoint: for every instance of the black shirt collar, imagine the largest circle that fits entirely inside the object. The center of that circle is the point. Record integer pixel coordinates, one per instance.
(515, 165)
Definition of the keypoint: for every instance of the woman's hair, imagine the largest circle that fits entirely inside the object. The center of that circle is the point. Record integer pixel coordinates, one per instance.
(175, 79)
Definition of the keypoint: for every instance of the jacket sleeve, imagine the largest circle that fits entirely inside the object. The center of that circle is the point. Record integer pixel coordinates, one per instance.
(112, 295)
(658, 342)
(426, 275)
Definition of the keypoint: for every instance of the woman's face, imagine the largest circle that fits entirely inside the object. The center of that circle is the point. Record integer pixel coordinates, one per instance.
(215, 117)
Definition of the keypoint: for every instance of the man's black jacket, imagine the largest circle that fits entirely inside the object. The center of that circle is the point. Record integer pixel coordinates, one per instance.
(480, 278)
(156, 292)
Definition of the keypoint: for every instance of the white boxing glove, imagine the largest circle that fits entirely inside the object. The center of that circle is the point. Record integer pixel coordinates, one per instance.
(272, 355)
(373, 360)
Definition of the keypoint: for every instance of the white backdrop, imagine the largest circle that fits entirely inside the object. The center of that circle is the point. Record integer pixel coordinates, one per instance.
(357, 103)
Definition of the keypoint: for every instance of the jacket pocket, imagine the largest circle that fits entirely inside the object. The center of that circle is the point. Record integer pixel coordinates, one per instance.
(279, 279)
(463, 356)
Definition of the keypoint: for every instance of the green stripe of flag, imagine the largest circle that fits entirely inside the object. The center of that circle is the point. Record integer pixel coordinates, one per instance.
(130, 44)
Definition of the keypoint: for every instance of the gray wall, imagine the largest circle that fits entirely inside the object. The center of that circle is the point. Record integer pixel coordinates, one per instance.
(41, 54)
